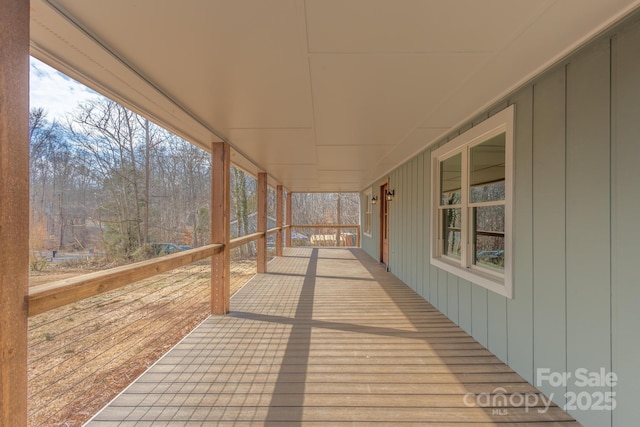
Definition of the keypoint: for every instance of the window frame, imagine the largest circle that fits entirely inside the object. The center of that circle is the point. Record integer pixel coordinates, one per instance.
(501, 283)
(368, 213)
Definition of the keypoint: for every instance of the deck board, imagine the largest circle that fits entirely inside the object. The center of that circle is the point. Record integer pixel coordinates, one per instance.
(328, 337)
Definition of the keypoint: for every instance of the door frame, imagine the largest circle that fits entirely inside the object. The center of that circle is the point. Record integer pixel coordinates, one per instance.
(384, 223)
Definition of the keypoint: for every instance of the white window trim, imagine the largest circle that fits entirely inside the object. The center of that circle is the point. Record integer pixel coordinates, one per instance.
(499, 283)
(368, 210)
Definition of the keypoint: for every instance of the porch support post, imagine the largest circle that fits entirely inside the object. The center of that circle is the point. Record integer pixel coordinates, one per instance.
(220, 217)
(289, 219)
(339, 215)
(262, 222)
(279, 217)
(14, 209)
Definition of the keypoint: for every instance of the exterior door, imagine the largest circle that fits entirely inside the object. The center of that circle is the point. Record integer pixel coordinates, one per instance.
(384, 224)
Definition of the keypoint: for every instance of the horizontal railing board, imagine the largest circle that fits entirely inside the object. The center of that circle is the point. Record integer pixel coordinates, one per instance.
(59, 293)
(239, 241)
(67, 291)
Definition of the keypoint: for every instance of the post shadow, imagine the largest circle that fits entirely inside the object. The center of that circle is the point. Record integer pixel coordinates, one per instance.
(288, 395)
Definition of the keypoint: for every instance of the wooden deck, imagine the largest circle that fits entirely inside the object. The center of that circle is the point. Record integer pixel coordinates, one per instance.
(328, 337)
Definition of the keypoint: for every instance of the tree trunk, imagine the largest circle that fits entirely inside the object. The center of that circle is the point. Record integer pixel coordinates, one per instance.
(147, 173)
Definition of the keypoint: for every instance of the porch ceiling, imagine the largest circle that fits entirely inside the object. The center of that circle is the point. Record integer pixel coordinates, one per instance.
(324, 95)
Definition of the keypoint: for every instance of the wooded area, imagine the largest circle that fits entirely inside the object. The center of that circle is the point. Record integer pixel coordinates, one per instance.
(107, 180)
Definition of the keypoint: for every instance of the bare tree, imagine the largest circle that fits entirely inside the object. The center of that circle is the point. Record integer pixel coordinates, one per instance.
(110, 138)
(326, 208)
(62, 191)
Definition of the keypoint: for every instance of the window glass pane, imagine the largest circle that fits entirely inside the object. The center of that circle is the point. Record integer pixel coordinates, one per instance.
(486, 175)
(451, 237)
(451, 180)
(488, 237)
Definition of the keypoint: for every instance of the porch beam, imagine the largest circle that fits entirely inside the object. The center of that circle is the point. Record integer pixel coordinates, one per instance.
(279, 218)
(14, 209)
(220, 230)
(262, 222)
(289, 218)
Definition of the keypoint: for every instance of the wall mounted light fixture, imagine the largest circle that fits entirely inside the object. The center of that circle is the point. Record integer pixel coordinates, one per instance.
(390, 195)
(374, 200)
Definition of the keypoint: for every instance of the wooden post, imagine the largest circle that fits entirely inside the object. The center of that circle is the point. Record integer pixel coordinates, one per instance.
(220, 217)
(339, 215)
(279, 218)
(262, 222)
(289, 218)
(14, 209)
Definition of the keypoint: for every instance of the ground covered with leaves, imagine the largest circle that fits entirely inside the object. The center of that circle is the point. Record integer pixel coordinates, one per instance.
(82, 355)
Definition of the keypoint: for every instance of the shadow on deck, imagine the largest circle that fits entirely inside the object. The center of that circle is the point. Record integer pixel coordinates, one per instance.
(329, 337)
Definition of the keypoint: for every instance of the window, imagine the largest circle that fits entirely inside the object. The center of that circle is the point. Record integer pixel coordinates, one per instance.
(366, 228)
(472, 204)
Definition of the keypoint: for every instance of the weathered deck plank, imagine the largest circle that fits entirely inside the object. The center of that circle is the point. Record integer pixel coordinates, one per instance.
(327, 338)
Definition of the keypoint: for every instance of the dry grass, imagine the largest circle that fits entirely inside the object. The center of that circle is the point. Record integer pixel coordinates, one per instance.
(82, 355)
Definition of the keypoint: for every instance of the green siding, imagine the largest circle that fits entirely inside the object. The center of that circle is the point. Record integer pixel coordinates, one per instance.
(405, 224)
(433, 298)
(576, 230)
(588, 230)
(409, 230)
(520, 308)
(497, 325)
(452, 297)
(423, 257)
(479, 314)
(625, 225)
(549, 301)
(415, 225)
(464, 310)
(443, 291)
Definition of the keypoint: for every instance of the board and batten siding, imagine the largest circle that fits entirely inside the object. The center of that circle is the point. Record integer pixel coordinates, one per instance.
(576, 232)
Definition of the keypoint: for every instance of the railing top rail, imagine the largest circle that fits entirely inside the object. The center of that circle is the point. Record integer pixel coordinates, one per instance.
(325, 226)
(239, 241)
(67, 291)
(57, 294)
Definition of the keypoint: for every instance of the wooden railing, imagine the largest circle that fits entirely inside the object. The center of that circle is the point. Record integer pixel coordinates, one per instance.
(234, 243)
(334, 226)
(60, 293)
(67, 291)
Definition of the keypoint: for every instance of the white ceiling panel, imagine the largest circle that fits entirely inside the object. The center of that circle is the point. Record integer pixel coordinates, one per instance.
(412, 145)
(355, 158)
(286, 173)
(324, 95)
(417, 26)
(277, 146)
(351, 92)
(340, 180)
(233, 63)
(67, 47)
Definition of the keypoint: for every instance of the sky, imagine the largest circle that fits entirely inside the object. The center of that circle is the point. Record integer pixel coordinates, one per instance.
(54, 91)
